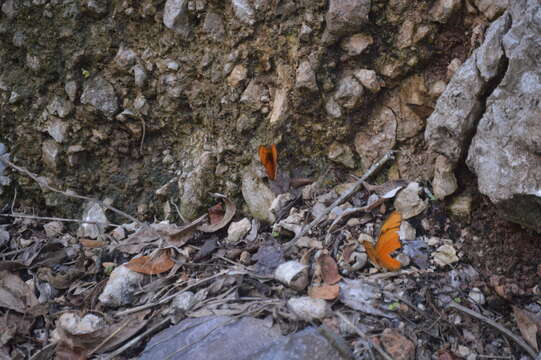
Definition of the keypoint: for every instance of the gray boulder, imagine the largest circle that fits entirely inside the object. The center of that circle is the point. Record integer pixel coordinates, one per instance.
(505, 151)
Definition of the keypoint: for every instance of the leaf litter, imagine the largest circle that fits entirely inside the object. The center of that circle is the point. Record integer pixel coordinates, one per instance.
(310, 267)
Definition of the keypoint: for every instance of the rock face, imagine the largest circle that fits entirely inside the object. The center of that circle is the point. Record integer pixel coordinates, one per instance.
(505, 151)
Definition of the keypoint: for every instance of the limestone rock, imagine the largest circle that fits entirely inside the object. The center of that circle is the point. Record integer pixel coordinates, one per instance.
(504, 152)
(121, 287)
(176, 17)
(306, 77)
(347, 16)
(408, 202)
(93, 212)
(258, 197)
(214, 26)
(244, 11)
(349, 92)
(491, 8)
(57, 129)
(280, 107)
(50, 151)
(60, 106)
(238, 75)
(368, 79)
(356, 44)
(444, 182)
(442, 10)
(342, 154)
(237, 230)
(99, 93)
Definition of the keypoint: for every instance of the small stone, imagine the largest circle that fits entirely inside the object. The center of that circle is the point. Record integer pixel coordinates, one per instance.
(71, 89)
(214, 26)
(50, 151)
(280, 202)
(280, 107)
(304, 33)
(444, 182)
(442, 10)
(125, 58)
(491, 8)
(121, 287)
(60, 107)
(93, 213)
(306, 77)
(293, 274)
(176, 17)
(333, 109)
(477, 296)
(15, 97)
(237, 230)
(307, 308)
(253, 93)
(368, 79)
(238, 75)
(258, 197)
(461, 206)
(356, 44)
(349, 92)
(244, 11)
(397, 345)
(76, 325)
(139, 75)
(453, 67)
(10, 8)
(53, 229)
(404, 259)
(342, 154)
(437, 88)
(118, 233)
(445, 255)
(57, 129)
(347, 16)
(406, 232)
(183, 302)
(99, 93)
(408, 203)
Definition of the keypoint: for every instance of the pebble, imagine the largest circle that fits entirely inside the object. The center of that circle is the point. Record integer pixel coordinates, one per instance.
(121, 287)
(307, 308)
(237, 230)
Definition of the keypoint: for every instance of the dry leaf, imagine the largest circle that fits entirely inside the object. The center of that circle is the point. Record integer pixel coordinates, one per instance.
(216, 213)
(329, 269)
(91, 243)
(527, 325)
(15, 294)
(325, 292)
(151, 265)
(230, 211)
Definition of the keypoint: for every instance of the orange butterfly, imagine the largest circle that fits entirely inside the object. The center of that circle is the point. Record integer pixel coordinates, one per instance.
(388, 241)
(268, 155)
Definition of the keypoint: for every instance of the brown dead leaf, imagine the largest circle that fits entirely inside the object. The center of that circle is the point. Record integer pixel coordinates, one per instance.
(329, 269)
(89, 243)
(527, 325)
(151, 265)
(325, 292)
(15, 294)
(218, 221)
(347, 252)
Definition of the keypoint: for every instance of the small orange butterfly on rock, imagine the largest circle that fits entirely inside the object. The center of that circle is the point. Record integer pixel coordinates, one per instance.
(388, 241)
(268, 155)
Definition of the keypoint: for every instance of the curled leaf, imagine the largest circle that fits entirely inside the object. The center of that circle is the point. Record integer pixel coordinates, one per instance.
(218, 221)
(329, 269)
(152, 265)
(325, 292)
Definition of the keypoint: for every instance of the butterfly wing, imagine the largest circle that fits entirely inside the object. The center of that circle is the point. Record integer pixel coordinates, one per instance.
(389, 241)
(269, 157)
(371, 252)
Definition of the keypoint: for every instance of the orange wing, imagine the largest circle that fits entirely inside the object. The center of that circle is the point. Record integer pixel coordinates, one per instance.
(269, 158)
(388, 241)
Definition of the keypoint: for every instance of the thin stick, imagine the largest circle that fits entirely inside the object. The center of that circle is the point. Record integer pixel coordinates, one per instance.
(136, 339)
(48, 218)
(43, 183)
(497, 326)
(170, 297)
(108, 338)
(356, 186)
(363, 336)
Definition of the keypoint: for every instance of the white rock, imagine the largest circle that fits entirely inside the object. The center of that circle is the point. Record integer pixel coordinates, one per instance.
(93, 213)
(183, 302)
(53, 229)
(406, 232)
(307, 308)
(121, 287)
(293, 274)
(73, 324)
(280, 202)
(244, 11)
(408, 203)
(369, 79)
(258, 197)
(445, 255)
(237, 230)
(477, 296)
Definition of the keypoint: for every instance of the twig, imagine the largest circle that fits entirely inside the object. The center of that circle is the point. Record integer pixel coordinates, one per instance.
(364, 336)
(48, 218)
(170, 297)
(356, 186)
(136, 339)
(108, 338)
(142, 136)
(497, 326)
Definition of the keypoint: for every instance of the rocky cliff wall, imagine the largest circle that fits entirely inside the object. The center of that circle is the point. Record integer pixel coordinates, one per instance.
(153, 103)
